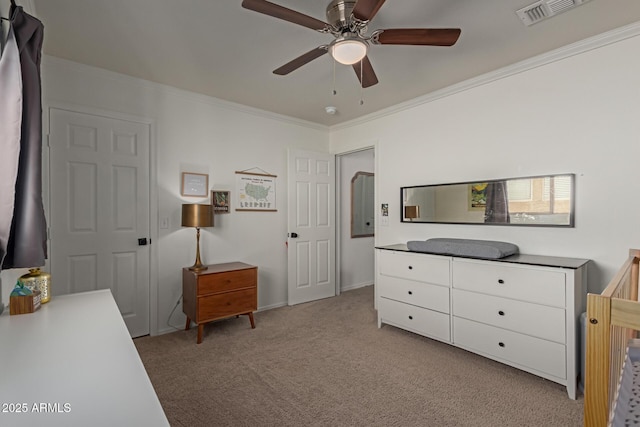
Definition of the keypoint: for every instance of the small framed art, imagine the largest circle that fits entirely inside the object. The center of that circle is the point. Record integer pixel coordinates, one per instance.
(194, 184)
(221, 201)
(477, 196)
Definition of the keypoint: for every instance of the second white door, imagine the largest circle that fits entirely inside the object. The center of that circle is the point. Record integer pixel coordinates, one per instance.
(311, 226)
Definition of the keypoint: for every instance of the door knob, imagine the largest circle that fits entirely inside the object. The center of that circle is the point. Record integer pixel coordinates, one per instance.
(294, 235)
(142, 242)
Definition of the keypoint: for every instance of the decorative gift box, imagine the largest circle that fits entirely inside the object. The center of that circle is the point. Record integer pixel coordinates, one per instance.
(22, 300)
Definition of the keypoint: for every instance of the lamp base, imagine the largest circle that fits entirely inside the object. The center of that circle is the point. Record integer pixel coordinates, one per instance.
(197, 268)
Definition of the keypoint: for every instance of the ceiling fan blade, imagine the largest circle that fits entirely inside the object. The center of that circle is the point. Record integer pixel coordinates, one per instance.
(418, 36)
(365, 10)
(368, 75)
(301, 60)
(280, 12)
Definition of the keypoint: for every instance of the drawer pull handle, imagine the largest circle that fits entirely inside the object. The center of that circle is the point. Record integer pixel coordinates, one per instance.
(410, 317)
(501, 344)
(501, 313)
(410, 293)
(501, 281)
(410, 267)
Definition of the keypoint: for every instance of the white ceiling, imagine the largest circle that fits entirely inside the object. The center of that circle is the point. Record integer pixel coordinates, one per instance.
(217, 48)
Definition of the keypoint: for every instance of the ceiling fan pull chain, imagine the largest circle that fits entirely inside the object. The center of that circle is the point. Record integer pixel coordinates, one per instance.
(334, 78)
(361, 85)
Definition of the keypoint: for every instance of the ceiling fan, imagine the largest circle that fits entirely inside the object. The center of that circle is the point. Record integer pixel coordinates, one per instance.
(347, 22)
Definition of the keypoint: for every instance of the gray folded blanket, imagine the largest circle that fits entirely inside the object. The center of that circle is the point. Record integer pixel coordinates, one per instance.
(487, 249)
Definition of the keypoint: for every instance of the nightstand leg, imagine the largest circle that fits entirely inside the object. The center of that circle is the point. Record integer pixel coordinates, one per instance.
(253, 324)
(188, 325)
(200, 328)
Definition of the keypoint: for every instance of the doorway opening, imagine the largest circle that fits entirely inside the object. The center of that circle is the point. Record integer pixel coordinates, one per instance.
(356, 208)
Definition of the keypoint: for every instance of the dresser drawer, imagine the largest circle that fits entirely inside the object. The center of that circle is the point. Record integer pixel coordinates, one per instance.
(532, 319)
(422, 294)
(523, 350)
(424, 268)
(226, 304)
(529, 284)
(415, 319)
(227, 281)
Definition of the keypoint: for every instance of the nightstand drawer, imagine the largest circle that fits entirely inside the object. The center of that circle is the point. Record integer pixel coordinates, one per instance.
(228, 281)
(227, 304)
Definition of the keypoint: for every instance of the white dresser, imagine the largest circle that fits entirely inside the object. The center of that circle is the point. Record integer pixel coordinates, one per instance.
(522, 310)
(73, 363)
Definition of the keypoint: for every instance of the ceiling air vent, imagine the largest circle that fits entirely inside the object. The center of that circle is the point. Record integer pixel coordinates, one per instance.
(544, 9)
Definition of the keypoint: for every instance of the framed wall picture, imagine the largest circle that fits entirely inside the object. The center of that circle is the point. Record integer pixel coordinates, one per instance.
(256, 192)
(477, 196)
(194, 184)
(221, 201)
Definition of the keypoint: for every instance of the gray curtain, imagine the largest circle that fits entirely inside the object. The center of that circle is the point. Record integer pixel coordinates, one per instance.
(10, 125)
(497, 210)
(27, 245)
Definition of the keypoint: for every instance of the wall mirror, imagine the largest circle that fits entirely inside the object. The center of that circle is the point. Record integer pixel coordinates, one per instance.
(534, 201)
(362, 215)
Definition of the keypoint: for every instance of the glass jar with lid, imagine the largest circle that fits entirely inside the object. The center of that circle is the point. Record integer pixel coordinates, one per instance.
(36, 279)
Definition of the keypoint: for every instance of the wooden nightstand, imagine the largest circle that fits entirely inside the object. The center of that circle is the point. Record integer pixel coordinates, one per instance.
(222, 290)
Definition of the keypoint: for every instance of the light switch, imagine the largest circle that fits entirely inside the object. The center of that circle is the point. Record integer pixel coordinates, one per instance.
(164, 222)
(384, 214)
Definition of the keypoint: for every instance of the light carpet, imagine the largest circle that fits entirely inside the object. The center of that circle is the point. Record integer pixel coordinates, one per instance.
(326, 363)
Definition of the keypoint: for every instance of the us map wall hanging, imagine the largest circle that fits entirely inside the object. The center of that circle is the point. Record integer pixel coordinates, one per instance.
(256, 191)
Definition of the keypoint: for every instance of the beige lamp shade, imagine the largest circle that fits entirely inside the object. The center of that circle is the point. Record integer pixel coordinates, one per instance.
(194, 215)
(411, 212)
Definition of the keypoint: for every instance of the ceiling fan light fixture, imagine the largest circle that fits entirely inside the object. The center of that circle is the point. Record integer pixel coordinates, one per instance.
(348, 49)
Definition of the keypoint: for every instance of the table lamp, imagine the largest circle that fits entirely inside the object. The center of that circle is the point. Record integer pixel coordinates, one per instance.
(411, 212)
(195, 215)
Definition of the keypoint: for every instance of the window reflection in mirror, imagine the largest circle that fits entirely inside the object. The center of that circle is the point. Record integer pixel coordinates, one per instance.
(362, 209)
(540, 200)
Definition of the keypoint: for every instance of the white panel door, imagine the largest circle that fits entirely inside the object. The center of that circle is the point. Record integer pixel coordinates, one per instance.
(99, 176)
(311, 221)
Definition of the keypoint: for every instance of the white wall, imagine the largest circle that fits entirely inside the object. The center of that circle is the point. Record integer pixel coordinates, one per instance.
(576, 115)
(199, 134)
(356, 254)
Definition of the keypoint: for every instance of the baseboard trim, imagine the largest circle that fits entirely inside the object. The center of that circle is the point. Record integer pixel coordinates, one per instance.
(356, 286)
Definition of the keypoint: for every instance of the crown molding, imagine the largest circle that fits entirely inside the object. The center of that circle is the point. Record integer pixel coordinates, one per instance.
(123, 79)
(591, 43)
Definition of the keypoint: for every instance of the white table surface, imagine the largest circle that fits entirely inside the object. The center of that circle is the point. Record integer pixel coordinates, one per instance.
(73, 363)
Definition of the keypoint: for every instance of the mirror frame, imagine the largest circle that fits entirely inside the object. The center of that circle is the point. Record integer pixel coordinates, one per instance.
(571, 219)
(353, 207)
